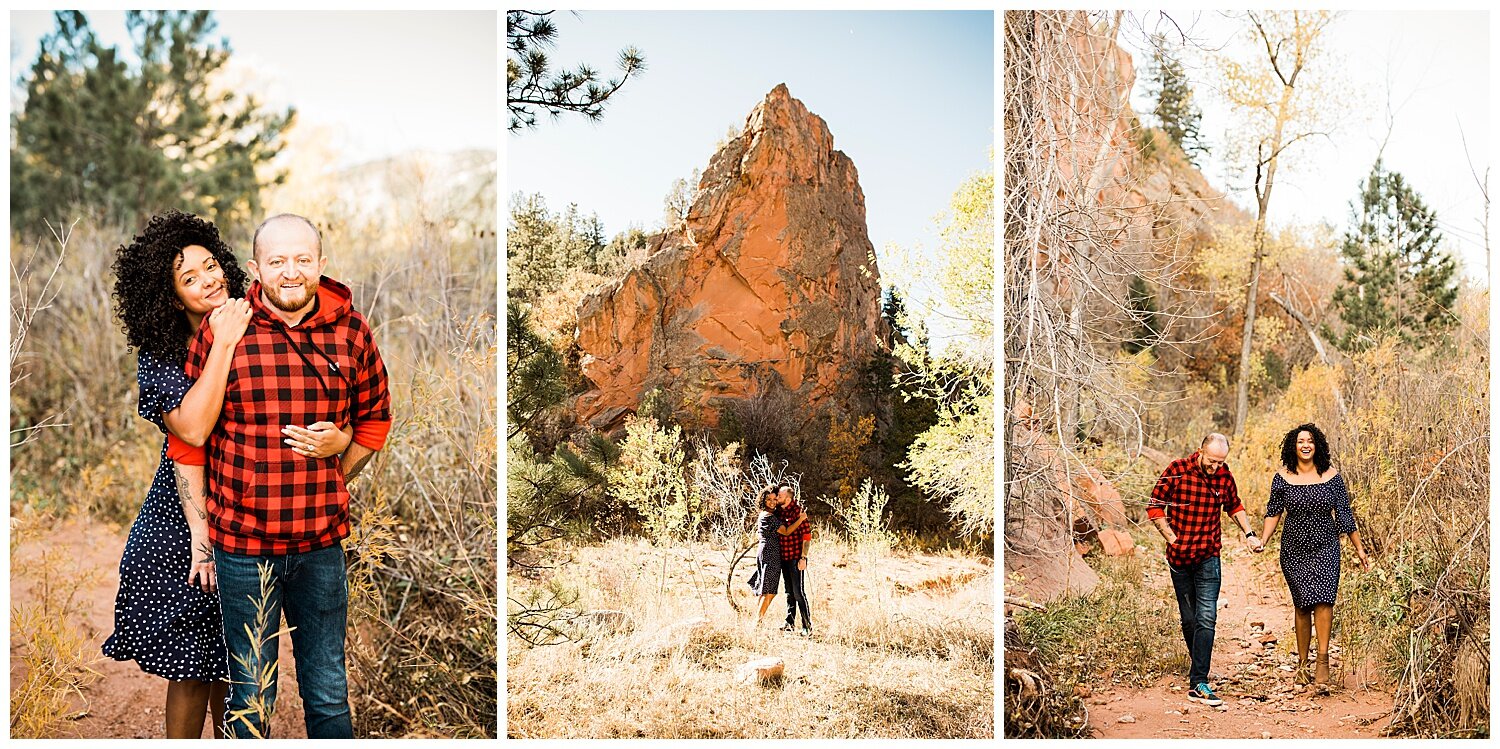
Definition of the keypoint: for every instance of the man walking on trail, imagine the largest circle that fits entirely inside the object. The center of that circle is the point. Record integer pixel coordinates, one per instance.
(277, 517)
(1185, 507)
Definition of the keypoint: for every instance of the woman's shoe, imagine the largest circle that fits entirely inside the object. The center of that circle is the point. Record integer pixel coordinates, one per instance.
(788, 628)
(1321, 676)
(1304, 670)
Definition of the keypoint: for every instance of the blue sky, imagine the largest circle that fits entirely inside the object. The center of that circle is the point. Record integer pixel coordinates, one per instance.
(386, 82)
(909, 96)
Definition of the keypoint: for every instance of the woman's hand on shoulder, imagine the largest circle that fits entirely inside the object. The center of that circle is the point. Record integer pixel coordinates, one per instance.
(229, 320)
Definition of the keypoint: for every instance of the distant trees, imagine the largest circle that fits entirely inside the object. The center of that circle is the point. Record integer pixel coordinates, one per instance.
(1175, 110)
(1396, 278)
(532, 86)
(543, 249)
(123, 139)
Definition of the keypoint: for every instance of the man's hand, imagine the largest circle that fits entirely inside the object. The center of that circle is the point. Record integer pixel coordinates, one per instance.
(1256, 545)
(1170, 537)
(802, 563)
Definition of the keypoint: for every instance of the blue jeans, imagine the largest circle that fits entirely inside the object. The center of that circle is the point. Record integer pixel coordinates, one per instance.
(1197, 587)
(796, 593)
(312, 590)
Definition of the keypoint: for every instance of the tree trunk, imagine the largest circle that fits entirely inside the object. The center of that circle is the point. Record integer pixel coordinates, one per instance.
(1263, 202)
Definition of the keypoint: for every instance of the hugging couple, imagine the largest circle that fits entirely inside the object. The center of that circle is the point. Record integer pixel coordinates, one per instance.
(271, 398)
(782, 555)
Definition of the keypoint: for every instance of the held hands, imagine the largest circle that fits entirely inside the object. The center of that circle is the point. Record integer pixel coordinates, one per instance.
(1256, 545)
(229, 320)
(320, 440)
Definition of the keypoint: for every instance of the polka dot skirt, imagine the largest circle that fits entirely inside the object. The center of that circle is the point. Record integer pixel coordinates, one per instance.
(169, 628)
(1315, 516)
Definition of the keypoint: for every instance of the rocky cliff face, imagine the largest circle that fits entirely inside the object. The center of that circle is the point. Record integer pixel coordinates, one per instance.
(770, 282)
(1127, 203)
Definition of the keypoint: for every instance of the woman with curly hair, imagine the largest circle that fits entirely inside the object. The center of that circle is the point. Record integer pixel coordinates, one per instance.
(168, 281)
(763, 583)
(1310, 492)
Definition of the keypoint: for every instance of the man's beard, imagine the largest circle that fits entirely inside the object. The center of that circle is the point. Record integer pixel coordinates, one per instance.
(288, 304)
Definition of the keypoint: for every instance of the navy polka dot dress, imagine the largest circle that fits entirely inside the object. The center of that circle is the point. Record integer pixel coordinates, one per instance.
(1316, 515)
(169, 628)
(768, 556)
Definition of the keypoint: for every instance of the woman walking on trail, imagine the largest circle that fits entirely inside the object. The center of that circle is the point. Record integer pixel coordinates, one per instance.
(768, 555)
(1310, 492)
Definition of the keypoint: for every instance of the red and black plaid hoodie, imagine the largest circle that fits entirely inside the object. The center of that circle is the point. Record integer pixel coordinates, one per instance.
(794, 544)
(1191, 502)
(264, 499)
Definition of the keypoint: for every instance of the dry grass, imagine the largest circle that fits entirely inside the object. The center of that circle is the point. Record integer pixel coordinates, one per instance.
(881, 664)
(54, 652)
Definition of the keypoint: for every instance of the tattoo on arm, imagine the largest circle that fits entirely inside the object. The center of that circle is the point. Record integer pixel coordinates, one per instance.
(357, 467)
(206, 551)
(185, 494)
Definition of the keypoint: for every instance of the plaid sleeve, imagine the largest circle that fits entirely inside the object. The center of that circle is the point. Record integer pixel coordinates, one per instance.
(1157, 506)
(197, 356)
(1232, 496)
(371, 396)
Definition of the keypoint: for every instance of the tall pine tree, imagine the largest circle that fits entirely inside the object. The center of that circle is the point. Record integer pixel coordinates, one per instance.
(1175, 110)
(1396, 279)
(123, 139)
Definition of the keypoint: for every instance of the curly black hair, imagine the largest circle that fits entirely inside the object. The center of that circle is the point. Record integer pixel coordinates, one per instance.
(1322, 458)
(146, 302)
(766, 492)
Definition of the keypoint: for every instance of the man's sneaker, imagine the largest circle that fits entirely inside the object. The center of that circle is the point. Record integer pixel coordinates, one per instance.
(1203, 694)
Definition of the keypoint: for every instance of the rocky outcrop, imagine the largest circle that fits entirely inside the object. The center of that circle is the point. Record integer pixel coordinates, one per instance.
(770, 282)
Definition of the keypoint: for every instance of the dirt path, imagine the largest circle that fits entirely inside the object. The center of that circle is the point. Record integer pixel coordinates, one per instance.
(124, 702)
(1261, 699)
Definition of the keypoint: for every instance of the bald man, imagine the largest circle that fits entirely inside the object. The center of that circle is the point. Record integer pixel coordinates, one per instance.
(278, 517)
(1185, 506)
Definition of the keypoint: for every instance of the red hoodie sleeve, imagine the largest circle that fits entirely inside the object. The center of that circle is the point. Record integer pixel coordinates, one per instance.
(181, 452)
(371, 395)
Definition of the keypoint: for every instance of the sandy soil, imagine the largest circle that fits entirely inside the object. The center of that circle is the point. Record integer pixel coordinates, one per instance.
(1256, 681)
(124, 702)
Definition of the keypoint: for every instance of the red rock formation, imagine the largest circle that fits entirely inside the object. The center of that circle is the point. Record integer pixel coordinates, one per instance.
(772, 276)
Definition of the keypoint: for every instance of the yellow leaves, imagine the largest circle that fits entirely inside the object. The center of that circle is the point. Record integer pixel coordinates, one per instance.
(847, 440)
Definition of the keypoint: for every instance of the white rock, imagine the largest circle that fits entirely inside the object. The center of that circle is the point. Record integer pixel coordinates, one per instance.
(1126, 719)
(761, 671)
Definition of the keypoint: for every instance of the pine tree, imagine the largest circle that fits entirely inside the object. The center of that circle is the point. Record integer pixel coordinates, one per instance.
(1146, 326)
(1175, 110)
(532, 86)
(123, 140)
(1396, 279)
(534, 371)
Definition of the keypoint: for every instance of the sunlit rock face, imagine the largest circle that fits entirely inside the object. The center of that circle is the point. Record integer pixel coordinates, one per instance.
(771, 281)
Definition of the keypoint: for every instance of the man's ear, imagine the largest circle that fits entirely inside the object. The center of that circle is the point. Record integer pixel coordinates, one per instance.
(322, 263)
(254, 268)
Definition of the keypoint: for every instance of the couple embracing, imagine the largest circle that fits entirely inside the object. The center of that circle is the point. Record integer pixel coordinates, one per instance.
(1308, 492)
(272, 398)
(782, 555)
